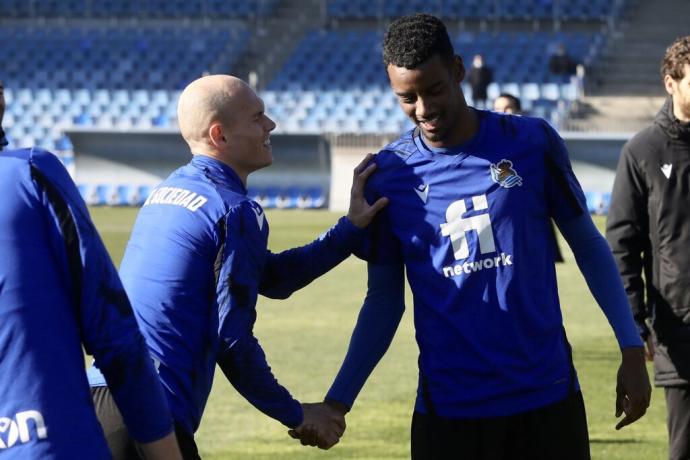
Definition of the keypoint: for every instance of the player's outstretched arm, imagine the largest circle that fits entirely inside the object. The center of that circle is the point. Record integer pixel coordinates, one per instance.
(593, 256)
(378, 320)
(244, 364)
(293, 269)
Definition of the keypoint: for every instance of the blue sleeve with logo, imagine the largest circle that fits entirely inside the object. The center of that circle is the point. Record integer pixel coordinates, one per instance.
(108, 327)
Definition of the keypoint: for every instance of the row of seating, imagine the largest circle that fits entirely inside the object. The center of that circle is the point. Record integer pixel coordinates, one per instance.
(269, 197)
(350, 59)
(117, 57)
(567, 10)
(135, 8)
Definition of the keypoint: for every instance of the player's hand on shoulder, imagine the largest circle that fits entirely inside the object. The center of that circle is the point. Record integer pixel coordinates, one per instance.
(361, 212)
(323, 426)
(633, 390)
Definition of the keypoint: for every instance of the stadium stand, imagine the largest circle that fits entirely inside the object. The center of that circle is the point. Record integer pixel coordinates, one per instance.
(580, 10)
(147, 9)
(120, 64)
(335, 82)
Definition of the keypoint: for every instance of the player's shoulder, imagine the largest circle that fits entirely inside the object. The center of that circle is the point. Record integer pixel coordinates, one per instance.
(33, 156)
(397, 153)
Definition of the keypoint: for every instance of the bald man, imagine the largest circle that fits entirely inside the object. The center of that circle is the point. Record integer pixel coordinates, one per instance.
(198, 258)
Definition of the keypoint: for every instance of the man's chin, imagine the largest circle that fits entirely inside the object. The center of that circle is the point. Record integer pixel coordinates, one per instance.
(432, 136)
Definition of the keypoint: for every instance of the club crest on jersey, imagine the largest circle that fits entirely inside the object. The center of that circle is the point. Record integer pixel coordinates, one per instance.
(504, 175)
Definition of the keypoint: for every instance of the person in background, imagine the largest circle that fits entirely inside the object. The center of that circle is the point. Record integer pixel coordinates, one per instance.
(480, 77)
(648, 228)
(3, 139)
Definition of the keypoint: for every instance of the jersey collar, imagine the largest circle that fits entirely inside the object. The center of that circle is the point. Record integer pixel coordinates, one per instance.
(219, 172)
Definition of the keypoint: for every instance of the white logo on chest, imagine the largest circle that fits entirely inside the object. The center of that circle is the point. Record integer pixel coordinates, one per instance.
(260, 216)
(666, 169)
(457, 226)
(422, 191)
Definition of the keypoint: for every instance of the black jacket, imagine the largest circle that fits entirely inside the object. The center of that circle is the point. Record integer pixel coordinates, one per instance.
(648, 229)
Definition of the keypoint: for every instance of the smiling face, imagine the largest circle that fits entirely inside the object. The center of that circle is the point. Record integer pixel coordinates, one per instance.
(431, 97)
(249, 146)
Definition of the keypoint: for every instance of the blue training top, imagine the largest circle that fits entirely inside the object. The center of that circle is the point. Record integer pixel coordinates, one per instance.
(469, 224)
(59, 291)
(194, 266)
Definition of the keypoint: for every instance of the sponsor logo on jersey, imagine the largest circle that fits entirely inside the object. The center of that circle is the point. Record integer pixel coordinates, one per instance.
(457, 226)
(504, 175)
(666, 169)
(24, 427)
(176, 197)
(259, 213)
(422, 191)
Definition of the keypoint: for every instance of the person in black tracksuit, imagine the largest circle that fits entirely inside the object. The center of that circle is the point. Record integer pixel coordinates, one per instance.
(648, 229)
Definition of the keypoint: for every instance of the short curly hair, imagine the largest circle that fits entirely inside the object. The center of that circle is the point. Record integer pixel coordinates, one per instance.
(411, 40)
(677, 55)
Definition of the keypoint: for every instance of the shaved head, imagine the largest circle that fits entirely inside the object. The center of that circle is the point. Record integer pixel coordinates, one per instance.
(221, 117)
(208, 100)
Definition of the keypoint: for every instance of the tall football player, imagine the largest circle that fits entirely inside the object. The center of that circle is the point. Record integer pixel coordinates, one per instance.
(471, 194)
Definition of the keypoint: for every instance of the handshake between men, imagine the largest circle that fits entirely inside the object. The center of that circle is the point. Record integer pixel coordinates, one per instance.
(323, 425)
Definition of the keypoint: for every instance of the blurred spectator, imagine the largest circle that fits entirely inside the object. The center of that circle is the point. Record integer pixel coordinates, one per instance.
(479, 78)
(3, 141)
(561, 63)
(507, 103)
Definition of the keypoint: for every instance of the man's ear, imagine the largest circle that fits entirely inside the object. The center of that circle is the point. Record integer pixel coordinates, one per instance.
(215, 133)
(458, 69)
(670, 84)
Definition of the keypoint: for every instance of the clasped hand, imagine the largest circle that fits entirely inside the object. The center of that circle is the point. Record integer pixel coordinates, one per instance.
(322, 426)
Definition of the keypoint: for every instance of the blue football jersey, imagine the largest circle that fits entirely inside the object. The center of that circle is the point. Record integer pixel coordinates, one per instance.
(471, 226)
(195, 264)
(59, 291)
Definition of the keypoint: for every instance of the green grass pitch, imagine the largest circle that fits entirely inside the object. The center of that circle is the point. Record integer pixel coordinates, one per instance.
(305, 338)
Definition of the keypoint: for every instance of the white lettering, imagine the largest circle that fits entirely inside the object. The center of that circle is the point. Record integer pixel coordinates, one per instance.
(197, 203)
(181, 197)
(23, 422)
(475, 266)
(12, 431)
(457, 226)
(184, 203)
(177, 197)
